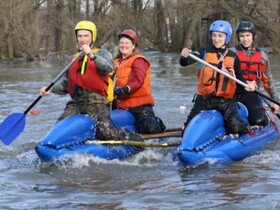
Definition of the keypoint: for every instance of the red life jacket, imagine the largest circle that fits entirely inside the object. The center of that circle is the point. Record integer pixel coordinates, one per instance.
(251, 66)
(89, 80)
(210, 82)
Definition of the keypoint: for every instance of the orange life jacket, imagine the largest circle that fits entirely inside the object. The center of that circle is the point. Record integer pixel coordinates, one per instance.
(210, 82)
(141, 96)
(251, 66)
(90, 79)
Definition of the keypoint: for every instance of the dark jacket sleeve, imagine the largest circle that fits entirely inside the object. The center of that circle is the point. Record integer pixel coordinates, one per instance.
(188, 60)
(238, 73)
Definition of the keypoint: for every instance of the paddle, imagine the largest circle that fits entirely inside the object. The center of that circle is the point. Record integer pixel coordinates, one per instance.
(231, 77)
(162, 135)
(173, 129)
(269, 105)
(14, 124)
(135, 143)
(144, 137)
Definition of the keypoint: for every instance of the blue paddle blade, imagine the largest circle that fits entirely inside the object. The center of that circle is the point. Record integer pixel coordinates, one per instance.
(11, 127)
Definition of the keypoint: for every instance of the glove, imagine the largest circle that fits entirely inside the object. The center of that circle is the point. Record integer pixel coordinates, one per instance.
(120, 91)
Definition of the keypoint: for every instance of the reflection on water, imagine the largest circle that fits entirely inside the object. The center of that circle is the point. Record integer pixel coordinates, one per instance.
(142, 181)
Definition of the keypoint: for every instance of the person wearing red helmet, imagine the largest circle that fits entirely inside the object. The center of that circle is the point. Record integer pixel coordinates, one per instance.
(214, 90)
(133, 84)
(256, 68)
(86, 81)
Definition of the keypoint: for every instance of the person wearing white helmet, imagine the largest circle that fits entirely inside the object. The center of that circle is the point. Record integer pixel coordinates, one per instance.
(133, 84)
(215, 91)
(86, 81)
(255, 67)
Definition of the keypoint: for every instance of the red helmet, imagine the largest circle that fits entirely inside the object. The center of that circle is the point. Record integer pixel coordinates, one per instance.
(131, 34)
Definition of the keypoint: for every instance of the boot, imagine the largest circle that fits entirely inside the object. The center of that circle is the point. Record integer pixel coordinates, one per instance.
(130, 135)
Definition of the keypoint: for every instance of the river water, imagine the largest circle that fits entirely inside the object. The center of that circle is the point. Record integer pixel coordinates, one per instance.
(148, 180)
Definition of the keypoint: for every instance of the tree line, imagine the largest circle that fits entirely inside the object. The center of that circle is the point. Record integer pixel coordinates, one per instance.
(38, 28)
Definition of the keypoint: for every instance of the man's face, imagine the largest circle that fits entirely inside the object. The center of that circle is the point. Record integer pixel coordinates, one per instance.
(246, 38)
(84, 37)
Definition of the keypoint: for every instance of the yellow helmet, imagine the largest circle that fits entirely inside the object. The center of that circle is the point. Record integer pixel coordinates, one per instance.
(87, 25)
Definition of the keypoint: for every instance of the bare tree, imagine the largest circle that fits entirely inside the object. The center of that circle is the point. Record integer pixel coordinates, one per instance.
(263, 13)
(31, 27)
(21, 28)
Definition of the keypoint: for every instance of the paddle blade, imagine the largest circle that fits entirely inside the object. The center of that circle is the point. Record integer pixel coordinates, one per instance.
(11, 127)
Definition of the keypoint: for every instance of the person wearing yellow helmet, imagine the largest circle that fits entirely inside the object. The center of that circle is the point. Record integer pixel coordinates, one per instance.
(87, 25)
(86, 81)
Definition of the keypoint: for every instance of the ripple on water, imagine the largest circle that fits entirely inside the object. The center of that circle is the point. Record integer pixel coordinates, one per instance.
(149, 180)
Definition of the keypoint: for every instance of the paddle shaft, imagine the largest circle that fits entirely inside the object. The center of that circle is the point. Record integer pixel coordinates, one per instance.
(269, 105)
(173, 129)
(162, 135)
(135, 143)
(231, 77)
(144, 137)
(53, 82)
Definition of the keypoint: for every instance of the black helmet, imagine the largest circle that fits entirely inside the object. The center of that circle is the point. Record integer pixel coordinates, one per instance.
(246, 26)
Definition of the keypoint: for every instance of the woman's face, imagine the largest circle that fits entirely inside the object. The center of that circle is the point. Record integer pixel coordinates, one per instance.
(218, 39)
(126, 47)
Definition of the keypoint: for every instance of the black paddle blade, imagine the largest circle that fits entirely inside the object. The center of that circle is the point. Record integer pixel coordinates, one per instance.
(11, 127)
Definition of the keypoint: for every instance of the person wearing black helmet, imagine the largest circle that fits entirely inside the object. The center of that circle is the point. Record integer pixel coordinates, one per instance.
(133, 84)
(256, 68)
(214, 90)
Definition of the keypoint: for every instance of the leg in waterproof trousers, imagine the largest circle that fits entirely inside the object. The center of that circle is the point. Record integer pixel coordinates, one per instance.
(70, 109)
(233, 123)
(200, 104)
(105, 128)
(253, 102)
(146, 121)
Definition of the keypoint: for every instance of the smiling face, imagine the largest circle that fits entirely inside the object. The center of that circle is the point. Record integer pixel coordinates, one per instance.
(246, 38)
(84, 37)
(218, 39)
(126, 47)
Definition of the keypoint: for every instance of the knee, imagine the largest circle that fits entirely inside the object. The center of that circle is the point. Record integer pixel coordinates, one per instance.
(258, 117)
(237, 125)
(150, 125)
(260, 121)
